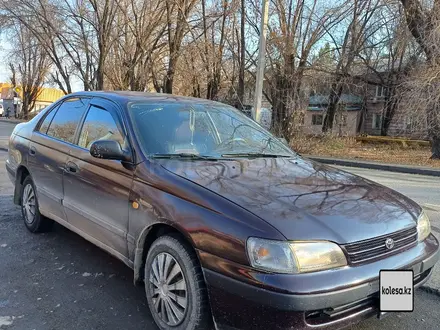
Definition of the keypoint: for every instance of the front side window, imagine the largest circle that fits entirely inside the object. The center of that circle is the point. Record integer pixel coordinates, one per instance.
(214, 130)
(99, 125)
(66, 119)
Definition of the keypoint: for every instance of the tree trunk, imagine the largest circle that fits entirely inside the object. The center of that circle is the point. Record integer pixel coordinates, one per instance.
(282, 96)
(169, 78)
(100, 75)
(213, 86)
(329, 118)
(363, 114)
(434, 129)
(420, 25)
(435, 147)
(390, 110)
(25, 106)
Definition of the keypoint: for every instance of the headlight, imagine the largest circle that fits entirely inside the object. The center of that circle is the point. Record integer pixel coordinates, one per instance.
(315, 256)
(423, 226)
(274, 256)
(294, 257)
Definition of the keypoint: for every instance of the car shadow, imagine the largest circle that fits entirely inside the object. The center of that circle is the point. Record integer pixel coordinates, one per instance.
(58, 280)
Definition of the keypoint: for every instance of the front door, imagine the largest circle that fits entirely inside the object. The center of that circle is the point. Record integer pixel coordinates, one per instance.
(96, 191)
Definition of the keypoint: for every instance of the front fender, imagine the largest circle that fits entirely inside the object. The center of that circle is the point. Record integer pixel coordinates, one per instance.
(216, 226)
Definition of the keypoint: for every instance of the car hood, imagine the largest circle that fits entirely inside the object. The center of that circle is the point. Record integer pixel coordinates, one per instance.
(303, 199)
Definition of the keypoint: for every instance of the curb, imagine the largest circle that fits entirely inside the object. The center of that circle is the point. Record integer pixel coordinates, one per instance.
(377, 166)
(11, 121)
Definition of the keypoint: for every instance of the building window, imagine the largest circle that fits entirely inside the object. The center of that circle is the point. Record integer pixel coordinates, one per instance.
(317, 119)
(381, 91)
(377, 121)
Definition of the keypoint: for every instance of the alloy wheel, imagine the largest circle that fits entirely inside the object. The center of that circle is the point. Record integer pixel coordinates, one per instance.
(168, 289)
(28, 203)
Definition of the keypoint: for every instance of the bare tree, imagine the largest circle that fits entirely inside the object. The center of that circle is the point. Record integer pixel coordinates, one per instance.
(75, 34)
(31, 68)
(298, 27)
(177, 18)
(137, 41)
(213, 54)
(423, 20)
(103, 16)
(352, 44)
(46, 19)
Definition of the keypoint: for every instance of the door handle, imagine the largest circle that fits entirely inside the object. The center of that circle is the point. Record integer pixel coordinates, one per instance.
(71, 167)
(32, 151)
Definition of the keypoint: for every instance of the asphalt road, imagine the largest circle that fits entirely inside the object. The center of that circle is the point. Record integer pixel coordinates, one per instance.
(425, 190)
(6, 128)
(60, 281)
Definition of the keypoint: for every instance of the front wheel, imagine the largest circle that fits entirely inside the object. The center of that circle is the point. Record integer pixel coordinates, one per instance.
(175, 286)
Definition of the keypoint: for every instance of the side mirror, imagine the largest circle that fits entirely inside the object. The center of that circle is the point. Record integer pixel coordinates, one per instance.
(109, 149)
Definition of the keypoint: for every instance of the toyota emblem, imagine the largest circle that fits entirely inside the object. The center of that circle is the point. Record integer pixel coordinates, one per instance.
(389, 243)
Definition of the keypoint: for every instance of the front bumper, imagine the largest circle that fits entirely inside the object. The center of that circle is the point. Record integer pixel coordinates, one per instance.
(331, 299)
(10, 171)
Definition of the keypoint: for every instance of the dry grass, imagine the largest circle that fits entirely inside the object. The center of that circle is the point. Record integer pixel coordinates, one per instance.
(328, 146)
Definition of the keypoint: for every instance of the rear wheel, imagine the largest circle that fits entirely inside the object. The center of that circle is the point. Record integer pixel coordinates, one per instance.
(175, 287)
(34, 221)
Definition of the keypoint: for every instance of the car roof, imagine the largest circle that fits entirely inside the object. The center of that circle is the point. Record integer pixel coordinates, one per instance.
(124, 97)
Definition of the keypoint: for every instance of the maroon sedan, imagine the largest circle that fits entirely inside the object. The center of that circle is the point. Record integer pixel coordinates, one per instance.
(223, 224)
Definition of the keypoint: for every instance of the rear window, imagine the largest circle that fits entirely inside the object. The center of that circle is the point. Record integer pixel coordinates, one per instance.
(66, 119)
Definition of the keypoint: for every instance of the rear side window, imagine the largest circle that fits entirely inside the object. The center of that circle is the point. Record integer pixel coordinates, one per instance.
(99, 125)
(66, 119)
(46, 122)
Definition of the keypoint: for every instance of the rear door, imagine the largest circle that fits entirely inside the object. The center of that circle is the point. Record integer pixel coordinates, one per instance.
(96, 191)
(48, 153)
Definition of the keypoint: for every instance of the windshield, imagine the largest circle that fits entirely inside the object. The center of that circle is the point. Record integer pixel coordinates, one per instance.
(200, 129)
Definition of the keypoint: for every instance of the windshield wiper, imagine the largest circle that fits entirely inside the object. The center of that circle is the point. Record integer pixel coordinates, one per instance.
(255, 155)
(183, 156)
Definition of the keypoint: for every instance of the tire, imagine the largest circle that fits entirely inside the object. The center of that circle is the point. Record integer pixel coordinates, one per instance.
(34, 221)
(182, 304)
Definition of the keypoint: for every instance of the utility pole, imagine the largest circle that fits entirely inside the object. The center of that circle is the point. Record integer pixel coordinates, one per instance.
(256, 113)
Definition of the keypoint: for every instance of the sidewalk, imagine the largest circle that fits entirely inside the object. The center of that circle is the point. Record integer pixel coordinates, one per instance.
(12, 120)
(422, 170)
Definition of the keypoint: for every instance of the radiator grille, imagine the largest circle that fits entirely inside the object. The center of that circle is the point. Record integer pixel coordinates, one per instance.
(368, 250)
